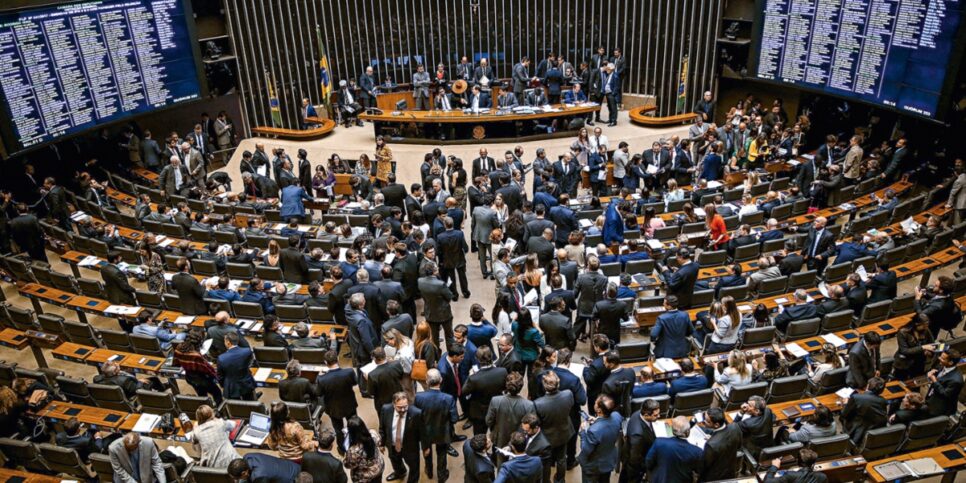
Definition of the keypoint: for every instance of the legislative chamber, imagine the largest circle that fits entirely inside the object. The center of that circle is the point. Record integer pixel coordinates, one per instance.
(482, 241)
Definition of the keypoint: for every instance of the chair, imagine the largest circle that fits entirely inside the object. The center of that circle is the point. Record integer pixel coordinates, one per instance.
(257, 241)
(663, 400)
(893, 256)
(200, 235)
(171, 263)
(781, 212)
(702, 298)
(838, 272)
(173, 230)
(924, 433)
(760, 188)
(217, 305)
(155, 402)
(321, 315)
(189, 404)
(688, 403)
(733, 194)
(291, 313)
(149, 346)
(874, 312)
(172, 301)
(830, 447)
(800, 207)
(247, 310)
(632, 351)
(773, 286)
(747, 252)
(693, 228)
(640, 266)
(712, 258)
(24, 454)
(788, 388)
(201, 474)
(677, 205)
(128, 255)
(207, 268)
(309, 356)
(99, 248)
(732, 222)
(610, 269)
(766, 456)
(152, 226)
(148, 299)
(305, 414)
(75, 390)
(22, 319)
(807, 279)
(240, 270)
(866, 186)
(831, 381)
(64, 460)
(116, 340)
(52, 324)
(739, 293)
(268, 273)
(667, 233)
(757, 218)
(110, 397)
(757, 336)
(771, 246)
(225, 237)
(80, 333)
(237, 409)
(271, 357)
(901, 305)
(837, 321)
(881, 442)
(802, 329)
(740, 394)
(101, 464)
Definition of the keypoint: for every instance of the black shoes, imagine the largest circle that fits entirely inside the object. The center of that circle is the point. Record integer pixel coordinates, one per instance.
(394, 477)
(452, 452)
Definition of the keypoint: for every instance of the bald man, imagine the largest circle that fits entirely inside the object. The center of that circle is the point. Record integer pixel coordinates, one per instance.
(819, 245)
(136, 460)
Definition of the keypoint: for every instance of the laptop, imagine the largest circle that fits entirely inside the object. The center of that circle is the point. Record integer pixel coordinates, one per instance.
(257, 429)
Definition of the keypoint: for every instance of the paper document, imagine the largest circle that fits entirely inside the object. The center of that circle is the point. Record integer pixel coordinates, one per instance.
(823, 288)
(205, 346)
(834, 340)
(924, 467)
(909, 226)
(665, 364)
(661, 430)
(530, 298)
(781, 300)
(697, 437)
(261, 375)
(584, 223)
(366, 369)
(714, 184)
(796, 350)
(655, 244)
(146, 423)
(699, 212)
(845, 392)
(121, 310)
(184, 320)
(860, 271)
(651, 169)
(89, 261)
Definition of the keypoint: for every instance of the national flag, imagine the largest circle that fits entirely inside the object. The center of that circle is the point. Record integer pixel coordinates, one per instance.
(323, 69)
(683, 85)
(273, 103)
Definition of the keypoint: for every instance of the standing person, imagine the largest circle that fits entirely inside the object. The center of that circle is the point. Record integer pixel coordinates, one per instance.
(481, 387)
(819, 245)
(670, 334)
(190, 291)
(478, 467)
(554, 410)
(522, 467)
(705, 107)
(136, 459)
(505, 412)
(865, 410)
(946, 383)
(588, 290)
(363, 457)
(527, 340)
(385, 380)
(521, 78)
(421, 88)
(610, 88)
(864, 360)
(452, 249)
(723, 441)
(436, 302)
(324, 467)
(233, 370)
(484, 222)
(852, 166)
(367, 88)
(26, 232)
(937, 304)
(401, 427)
(336, 387)
(639, 436)
(198, 372)
(598, 441)
(439, 416)
(957, 195)
(674, 460)
(911, 357)
(363, 337)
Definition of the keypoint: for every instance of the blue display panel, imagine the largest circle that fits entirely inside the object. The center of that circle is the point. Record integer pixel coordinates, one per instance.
(896, 53)
(65, 69)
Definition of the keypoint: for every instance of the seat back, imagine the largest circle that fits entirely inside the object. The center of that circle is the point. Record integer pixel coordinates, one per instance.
(760, 188)
(148, 299)
(787, 388)
(156, 402)
(199, 235)
(247, 310)
(881, 442)
(320, 315)
(901, 305)
(268, 273)
(739, 293)
(782, 212)
(80, 333)
(779, 184)
(916, 249)
(101, 464)
(610, 269)
(117, 340)
(632, 351)
(747, 252)
(189, 404)
(173, 230)
(667, 233)
(24, 454)
(693, 228)
(309, 356)
(740, 394)
(830, 447)
(772, 286)
(146, 345)
(302, 412)
(202, 474)
(22, 319)
(831, 381)
(207, 268)
(773, 245)
(757, 218)
(64, 460)
(802, 280)
(240, 270)
(172, 301)
(874, 312)
(778, 452)
(702, 298)
(712, 258)
(237, 409)
(837, 321)
(271, 356)
(90, 288)
(802, 329)
(925, 433)
(110, 397)
(75, 390)
(837, 272)
(640, 266)
(688, 403)
(757, 336)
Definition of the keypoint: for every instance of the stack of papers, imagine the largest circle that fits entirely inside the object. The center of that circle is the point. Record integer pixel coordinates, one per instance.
(665, 364)
(122, 310)
(909, 226)
(89, 261)
(655, 244)
(146, 423)
(662, 430)
(834, 340)
(184, 320)
(917, 468)
(261, 375)
(796, 350)
(845, 392)
(860, 271)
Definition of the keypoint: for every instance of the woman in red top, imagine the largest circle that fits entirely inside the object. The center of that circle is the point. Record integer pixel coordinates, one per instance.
(716, 224)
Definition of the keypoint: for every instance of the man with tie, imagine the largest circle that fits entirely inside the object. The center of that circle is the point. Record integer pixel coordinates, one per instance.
(567, 173)
(895, 163)
(308, 110)
(479, 100)
(819, 245)
(521, 468)
(464, 70)
(174, 178)
(442, 101)
(609, 85)
(478, 466)
(507, 100)
(400, 426)
(521, 78)
(199, 139)
(638, 438)
(223, 131)
(347, 104)
(864, 359)
(946, 382)
(483, 75)
(483, 164)
(367, 86)
(421, 88)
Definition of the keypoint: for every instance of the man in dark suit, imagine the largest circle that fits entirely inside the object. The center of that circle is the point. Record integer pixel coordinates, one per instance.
(619, 381)
(756, 420)
(481, 387)
(452, 249)
(819, 245)
(56, 199)
(234, 375)
(883, 285)
(338, 295)
(292, 262)
(483, 164)
(26, 231)
(439, 416)
(792, 262)
(864, 359)
(537, 443)
(295, 388)
(638, 436)
(865, 410)
(802, 310)
(589, 289)
(336, 388)
(263, 468)
(835, 302)
(436, 303)
(324, 467)
(116, 286)
(596, 372)
(175, 178)
(805, 474)
(521, 78)
(608, 315)
(367, 88)
(477, 466)
(405, 270)
(189, 290)
(670, 334)
(508, 359)
(375, 309)
(385, 379)
(946, 383)
(84, 442)
(855, 293)
(567, 173)
(522, 467)
(937, 304)
(557, 329)
(689, 381)
(554, 409)
(542, 245)
(565, 223)
(659, 159)
(598, 441)
(680, 282)
(401, 428)
(720, 448)
(506, 411)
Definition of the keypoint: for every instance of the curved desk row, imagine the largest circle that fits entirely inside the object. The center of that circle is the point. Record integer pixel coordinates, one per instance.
(324, 128)
(638, 116)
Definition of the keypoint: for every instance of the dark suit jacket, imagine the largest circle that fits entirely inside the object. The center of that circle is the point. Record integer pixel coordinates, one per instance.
(84, 443)
(598, 445)
(233, 372)
(270, 469)
(638, 438)
(294, 267)
(595, 374)
(335, 388)
(681, 283)
(27, 232)
(825, 247)
(452, 249)
(57, 201)
(478, 468)
(864, 411)
(862, 365)
(439, 416)
(480, 388)
(719, 454)
(943, 396)
(116, 286)
(589, 288)
(793, 313)
(384, 381)
(323, 467)
(511, 362)
(670, 334)
(191, 294)
(554, 411)
(406, 271)
(436, 299)
(412, 430)
(882, 287)
(557, 330)
(297, 390)
(757, 431)
(791, 264)
(610, 313)
(337, 300)
(539, 446)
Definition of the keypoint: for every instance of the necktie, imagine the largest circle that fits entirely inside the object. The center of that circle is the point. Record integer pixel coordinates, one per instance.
(177, 177)
(456, 377)
(598, 141)
(818, 236)
(399, 432)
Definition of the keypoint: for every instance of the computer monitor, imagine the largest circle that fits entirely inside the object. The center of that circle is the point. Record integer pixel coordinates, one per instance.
(402, 105)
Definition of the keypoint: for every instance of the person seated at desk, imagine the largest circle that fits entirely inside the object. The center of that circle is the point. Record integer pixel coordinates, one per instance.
(261, 467)
(689, 381)
(149, 327)
(256, 293)
(605, 256)
(835, 302)
(847, 252)
(865, 410)
(911, 408)
(537, 97)
(738, 372)
(478, 100)
(819, 425)
(646, 385)
(767, 269)
(805, 474)
(82, 439)
(574, 95)
(802, 310)
(112, 375)
(946, 384)
(443, 101)
(742, 237)
(756, 419)
(633, 253)
(347, 105)
(507, 100)
(855, 293)
(771, 232)
(830, 360)
(624, 291)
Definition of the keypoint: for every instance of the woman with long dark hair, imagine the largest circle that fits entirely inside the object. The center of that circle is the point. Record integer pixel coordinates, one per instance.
(198, 372)
(503, 314)
(286, 435)
(527, 340)
(363, 459)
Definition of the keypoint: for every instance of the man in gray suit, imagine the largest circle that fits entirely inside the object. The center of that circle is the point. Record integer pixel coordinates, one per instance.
(150, 152)
(589, 289)
(196, 163)
(436, 302)
(136, 460)
(421, 88)
(174, 178)
(505, 412)
(485, 220)
(957, 195)
(554, 412)
(521, 78)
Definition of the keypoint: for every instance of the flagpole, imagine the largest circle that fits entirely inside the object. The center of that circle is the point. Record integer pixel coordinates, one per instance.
(324, 81)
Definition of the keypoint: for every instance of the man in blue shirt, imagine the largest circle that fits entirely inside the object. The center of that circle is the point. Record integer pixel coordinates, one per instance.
(646, 386)
(689, 380)
(256, 293)
(847, 252)
(521, 468)
(625, 291)
(223, 292)
(147, 326)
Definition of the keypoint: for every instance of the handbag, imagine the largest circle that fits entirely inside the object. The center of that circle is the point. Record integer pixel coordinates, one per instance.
(419, 370)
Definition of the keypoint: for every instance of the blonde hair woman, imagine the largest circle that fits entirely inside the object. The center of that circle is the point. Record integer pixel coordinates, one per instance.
(738, 372)
(210, 438)
(726, 320)
(404, 351)
(274, 252)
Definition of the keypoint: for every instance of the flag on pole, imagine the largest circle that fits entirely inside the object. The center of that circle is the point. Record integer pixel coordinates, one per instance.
(273, 103)
(682, 85)
(323, 69)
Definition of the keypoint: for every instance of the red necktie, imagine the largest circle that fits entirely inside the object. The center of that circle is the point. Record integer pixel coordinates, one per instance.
(456, 376)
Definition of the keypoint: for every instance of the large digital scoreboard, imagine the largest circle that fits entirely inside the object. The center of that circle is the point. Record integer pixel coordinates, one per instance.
(66, 68)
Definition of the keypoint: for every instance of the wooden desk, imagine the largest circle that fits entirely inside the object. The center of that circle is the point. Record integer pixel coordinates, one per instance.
(948, 457)
(7, 475)
(69, 351)
(132, 419)
(147, 175)
(326, 126)
(39, 293)
(893, 390)
(859, 203)
(639, 116)
(100, 417)
(13, 338)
